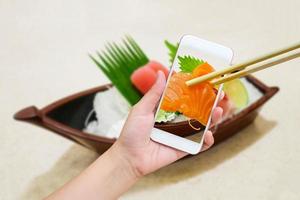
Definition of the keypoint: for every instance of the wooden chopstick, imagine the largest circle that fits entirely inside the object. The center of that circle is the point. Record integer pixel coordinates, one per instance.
(252, 69)
(241, 65)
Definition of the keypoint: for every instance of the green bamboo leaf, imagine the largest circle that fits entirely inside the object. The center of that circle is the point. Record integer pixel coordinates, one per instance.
(137, 48)
(125, 58)
(106, 65)
(118, 62)
(113, 63)
(131, 51)
(99, 65)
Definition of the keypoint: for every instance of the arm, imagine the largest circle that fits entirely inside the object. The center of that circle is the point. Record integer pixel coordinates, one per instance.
(107, 178)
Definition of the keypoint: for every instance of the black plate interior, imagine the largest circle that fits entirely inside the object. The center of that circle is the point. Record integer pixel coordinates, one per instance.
(74, 113)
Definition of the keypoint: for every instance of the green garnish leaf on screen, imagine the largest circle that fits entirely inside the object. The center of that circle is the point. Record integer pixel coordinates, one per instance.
(189, 63)
(172, 50)
(118, 62)
(164, 116)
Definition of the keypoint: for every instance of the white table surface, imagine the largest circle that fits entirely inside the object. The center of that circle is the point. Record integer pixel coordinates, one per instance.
(43, 57)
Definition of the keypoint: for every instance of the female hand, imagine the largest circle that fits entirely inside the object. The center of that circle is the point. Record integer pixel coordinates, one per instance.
(143, 154)
(133, 155)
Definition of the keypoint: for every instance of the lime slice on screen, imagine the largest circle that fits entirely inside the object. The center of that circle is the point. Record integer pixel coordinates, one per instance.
(236, 92)
(164, 116)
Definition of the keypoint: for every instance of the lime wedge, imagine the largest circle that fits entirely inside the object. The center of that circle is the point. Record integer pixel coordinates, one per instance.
(236, 92)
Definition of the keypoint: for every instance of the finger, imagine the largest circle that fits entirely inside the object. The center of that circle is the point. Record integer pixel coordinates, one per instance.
(222, 95)
(217, 115)
(149, 101)
(208, 140)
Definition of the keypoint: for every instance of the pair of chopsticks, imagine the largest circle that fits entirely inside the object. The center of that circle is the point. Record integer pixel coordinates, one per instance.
(248, 67)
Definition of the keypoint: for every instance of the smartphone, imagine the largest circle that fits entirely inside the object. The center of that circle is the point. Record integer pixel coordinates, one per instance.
(194, 57)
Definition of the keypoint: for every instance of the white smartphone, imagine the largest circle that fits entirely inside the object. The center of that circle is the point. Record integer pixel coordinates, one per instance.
(194, 57)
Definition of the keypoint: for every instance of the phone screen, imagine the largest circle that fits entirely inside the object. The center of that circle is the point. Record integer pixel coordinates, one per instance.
(189, 108)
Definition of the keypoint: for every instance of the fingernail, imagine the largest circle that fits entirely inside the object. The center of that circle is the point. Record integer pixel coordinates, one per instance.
(160, 72)
(159, 75)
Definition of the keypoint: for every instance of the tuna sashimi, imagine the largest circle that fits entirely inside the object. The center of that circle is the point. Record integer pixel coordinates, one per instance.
(144, 77)
(156, 66)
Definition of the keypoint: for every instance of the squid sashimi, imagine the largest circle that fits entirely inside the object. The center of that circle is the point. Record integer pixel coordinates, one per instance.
(194, 102)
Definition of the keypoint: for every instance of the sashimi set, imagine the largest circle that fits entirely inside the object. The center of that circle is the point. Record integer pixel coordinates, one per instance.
(94, 118)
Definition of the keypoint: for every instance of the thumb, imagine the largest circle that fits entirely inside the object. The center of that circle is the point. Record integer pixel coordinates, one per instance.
(149, 101)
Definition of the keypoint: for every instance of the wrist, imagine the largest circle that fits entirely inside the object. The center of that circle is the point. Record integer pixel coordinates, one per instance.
(123, 160)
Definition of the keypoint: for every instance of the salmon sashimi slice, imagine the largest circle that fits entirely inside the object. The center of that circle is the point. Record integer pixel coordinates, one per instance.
(194, 102)
(202, 69)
